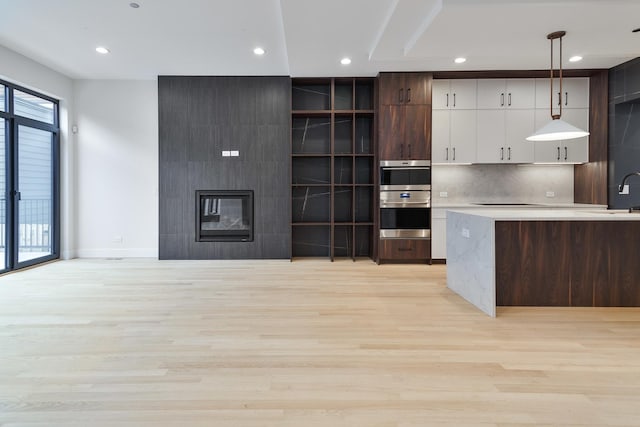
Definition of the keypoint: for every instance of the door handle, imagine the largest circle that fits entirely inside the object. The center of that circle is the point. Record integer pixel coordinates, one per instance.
(16, 195)
(566, 98)
(400, 95)
(409, 95)
(409, 149)
(559, 98)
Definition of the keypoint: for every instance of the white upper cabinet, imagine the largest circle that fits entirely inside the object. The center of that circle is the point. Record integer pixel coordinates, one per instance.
(506, 93)
(453, 137)
(501, 136)
(453, 122)
(456, 94)
(575, 93)
(569, 151)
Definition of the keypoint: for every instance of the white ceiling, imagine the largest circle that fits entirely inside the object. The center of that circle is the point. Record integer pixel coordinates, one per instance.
(309, 37)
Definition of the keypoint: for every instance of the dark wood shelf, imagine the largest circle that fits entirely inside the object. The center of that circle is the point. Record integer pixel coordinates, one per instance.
(341, 139)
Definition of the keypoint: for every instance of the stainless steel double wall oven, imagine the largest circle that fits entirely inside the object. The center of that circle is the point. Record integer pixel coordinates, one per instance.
(405, 199)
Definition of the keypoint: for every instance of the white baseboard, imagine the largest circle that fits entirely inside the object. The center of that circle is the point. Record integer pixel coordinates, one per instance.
(118, 253)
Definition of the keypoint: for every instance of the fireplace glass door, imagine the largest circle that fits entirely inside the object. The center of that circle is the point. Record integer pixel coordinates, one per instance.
(224, 216)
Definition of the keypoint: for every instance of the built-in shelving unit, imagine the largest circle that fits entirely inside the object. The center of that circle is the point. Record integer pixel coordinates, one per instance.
(332, 167)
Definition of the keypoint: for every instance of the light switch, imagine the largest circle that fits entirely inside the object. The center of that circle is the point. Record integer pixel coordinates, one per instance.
(226, 153)
(551, 194)
(444, 194)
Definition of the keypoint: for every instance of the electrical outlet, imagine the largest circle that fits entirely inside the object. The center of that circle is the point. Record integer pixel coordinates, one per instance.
(444, 194)
(625, 189)
(551, 194)
(235, 153)
(466, 233)
(226, 153)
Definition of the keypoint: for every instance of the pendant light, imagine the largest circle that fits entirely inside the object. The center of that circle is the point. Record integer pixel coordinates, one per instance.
(556, 129)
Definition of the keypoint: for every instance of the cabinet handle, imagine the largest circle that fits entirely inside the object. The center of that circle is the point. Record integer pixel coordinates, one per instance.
(501, 153)
(509, 153)
(454, 154)
(566, 153)
(405, 249)
(447, 100)
(454, 99)
(402, 152)
(502, 99)
(409, 95)
(400, 95)
(559, 98)
(409, 146)
(509, 100)
(558, 153)
(446, 156)
(566, 99)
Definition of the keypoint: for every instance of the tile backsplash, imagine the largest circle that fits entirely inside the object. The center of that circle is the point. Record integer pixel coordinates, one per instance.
(502, 184)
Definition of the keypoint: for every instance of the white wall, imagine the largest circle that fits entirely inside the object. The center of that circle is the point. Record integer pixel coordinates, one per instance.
(117, 168)
(28, 73)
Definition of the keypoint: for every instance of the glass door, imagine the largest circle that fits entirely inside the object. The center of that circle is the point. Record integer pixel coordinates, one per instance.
(34, 194)
(29, 177)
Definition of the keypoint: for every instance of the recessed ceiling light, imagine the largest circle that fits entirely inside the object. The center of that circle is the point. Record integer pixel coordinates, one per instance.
(460, 60)
(575, 58)
(345, 61)
(134, 5)
(258, 51)
(102, 50)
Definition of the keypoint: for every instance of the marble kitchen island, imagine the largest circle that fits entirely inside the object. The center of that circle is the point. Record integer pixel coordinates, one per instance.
(538, 257)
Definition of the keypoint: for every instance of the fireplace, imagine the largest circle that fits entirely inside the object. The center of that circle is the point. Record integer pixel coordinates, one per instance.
(224, 216)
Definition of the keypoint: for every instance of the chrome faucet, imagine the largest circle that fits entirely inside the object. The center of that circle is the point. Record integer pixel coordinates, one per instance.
(624, 181)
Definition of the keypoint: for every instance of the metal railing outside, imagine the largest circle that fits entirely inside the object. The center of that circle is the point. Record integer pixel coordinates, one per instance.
(34, 230)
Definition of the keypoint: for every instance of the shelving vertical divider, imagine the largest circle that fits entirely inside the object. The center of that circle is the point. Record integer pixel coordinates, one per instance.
(332, 156)
(354, 172)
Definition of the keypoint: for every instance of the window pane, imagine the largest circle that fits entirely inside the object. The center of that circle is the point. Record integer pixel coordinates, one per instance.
(35, 173)
(3, 202)
(33, 107)
(2, 106)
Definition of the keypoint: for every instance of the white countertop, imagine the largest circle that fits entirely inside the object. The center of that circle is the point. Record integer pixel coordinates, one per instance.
(507, 206)
(536, 214)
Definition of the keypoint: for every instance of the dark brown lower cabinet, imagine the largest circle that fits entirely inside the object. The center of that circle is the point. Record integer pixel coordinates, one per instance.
(568, 263)
(405, 249)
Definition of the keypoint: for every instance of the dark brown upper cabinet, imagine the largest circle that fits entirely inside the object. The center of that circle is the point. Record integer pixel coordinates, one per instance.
(405, 132)
(405, 88)
(404, 116)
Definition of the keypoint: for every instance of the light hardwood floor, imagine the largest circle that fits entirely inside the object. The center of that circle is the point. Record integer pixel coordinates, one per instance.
(308, 343)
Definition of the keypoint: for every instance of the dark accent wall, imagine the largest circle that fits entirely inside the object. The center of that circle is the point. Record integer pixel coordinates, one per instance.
(624, 132)
(199, 117)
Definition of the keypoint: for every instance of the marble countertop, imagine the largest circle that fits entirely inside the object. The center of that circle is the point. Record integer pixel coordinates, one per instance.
(556, 214)
(527, 206)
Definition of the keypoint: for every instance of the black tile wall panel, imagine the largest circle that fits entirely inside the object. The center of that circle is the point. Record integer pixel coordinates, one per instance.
(199, 118)
(624, 132)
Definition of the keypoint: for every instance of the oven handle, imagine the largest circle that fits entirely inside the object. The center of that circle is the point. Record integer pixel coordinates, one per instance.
(407, 168)
(400, 204)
